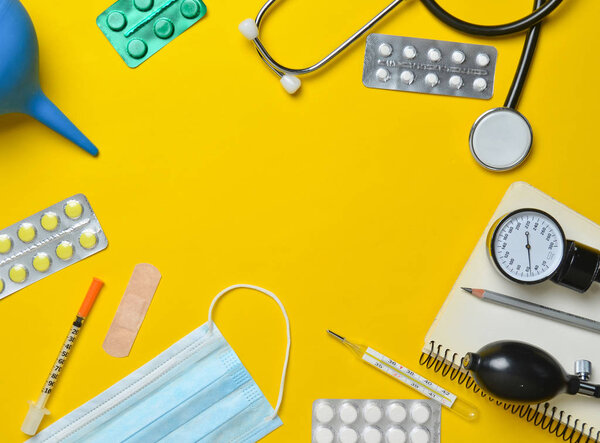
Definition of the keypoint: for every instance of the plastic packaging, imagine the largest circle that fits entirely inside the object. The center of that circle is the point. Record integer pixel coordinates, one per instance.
(137, 29)
(429, 66)
(47, 242)
(374, 421)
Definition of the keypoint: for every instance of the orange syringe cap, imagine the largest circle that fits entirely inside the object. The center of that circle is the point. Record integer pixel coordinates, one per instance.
(90, 297)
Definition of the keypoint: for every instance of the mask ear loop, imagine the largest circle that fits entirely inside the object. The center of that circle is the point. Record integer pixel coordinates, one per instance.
(287, 323)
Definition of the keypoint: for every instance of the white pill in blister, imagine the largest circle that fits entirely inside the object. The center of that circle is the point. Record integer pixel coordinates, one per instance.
(479, 84)
(434, 55)
(419, 435)
(458, 57)
(324, 413)
(407, 77)
(348, 435)
(396, 412)
(382, 74)
(371, 435)
(432, 79)
(455, 82)
(323, 435)
(395, 435)
(385, 49)
(420, 413)
(482, 59)
(409, 51)
(348, 413)
(372, 413)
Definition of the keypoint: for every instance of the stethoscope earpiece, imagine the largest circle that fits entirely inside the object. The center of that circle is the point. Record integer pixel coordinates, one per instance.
(290, 83)
(501, 139)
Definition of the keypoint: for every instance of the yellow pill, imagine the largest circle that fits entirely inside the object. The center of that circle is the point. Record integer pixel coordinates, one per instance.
(5, 244)
(49, 221)
(88, 239)
(18, 273)
(1, 285)
(41, 262)
(73, 209)
(26, 232)
(64, 250)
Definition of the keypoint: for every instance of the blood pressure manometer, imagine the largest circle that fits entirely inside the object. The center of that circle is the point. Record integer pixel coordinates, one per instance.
(528, 246)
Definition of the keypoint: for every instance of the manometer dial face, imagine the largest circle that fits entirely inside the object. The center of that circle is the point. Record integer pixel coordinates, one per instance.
(528, 246)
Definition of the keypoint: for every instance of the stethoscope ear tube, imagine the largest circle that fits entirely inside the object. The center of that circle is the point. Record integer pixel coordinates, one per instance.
(516, 88)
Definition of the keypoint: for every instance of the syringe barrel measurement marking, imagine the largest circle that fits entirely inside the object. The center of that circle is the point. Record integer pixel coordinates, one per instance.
(408, 377)
(62, 356)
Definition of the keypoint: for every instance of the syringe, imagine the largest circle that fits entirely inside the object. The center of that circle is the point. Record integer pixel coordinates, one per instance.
(37, 409)
(411, 379)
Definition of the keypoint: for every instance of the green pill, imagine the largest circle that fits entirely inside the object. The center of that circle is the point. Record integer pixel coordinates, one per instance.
(137, 48)
(116, 21)
(143, 5)
(190, 8)
(138, 29)
(163, 28)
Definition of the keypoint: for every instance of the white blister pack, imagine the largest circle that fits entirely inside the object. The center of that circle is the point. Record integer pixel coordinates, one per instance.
(376, 421)
(429, 66)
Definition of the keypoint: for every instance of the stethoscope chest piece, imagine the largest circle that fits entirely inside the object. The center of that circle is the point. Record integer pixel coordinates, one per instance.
(501, 139)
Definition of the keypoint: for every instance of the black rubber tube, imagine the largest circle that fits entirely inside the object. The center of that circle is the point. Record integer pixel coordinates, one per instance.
(494, 30)
(514, 93)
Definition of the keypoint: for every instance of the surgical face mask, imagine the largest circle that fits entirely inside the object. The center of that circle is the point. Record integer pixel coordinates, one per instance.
(195, 391)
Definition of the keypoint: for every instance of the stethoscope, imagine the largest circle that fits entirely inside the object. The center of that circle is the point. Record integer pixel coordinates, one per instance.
(500, 138)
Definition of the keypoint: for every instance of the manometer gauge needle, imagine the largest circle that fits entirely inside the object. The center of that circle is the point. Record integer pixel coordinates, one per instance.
(528, 246)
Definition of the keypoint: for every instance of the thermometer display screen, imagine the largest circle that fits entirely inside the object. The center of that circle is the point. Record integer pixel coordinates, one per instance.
(528, 246)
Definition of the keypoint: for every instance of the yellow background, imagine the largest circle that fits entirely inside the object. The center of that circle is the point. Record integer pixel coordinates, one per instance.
(358, 207)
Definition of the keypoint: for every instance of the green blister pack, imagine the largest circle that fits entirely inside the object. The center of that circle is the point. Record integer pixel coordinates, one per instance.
(137, 29)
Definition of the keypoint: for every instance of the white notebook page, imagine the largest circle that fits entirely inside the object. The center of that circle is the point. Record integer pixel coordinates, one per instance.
(465, 323)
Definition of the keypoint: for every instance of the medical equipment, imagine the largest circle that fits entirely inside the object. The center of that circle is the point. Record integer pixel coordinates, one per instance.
(19, 75)
(132, 310)
(528, 246)
(535, 309)
(375, 421)
(520, 372)
(37, 410)
(250, 29)
(410, 378)
(47, 242)
(196, 390)
(501, 138)
(138, 29)
(429, 66)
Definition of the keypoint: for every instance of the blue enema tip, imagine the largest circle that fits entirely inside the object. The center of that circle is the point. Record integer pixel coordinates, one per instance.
(20, 90)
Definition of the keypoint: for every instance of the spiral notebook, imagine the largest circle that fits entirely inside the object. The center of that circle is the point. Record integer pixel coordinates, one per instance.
(465, 323)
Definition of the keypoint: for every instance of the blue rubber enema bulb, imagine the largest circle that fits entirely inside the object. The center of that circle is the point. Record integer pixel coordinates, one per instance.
(19, 75)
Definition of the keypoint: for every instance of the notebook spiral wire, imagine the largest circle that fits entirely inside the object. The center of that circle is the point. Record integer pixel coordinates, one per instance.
(439, 360)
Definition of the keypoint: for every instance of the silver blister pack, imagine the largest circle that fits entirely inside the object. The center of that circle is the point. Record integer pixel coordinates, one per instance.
(47, 242)
(376, 421)
(429, 66)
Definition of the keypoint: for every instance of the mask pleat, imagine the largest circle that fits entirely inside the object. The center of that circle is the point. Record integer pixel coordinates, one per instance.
(193, 406)
(197, 390)
(249, 425)
(216, 416)
(141, 407)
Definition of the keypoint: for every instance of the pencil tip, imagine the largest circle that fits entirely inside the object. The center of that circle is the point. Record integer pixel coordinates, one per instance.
(469, 290)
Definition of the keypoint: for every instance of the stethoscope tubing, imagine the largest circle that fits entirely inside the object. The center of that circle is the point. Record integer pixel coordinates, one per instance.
(540, 12)
(280, 69)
